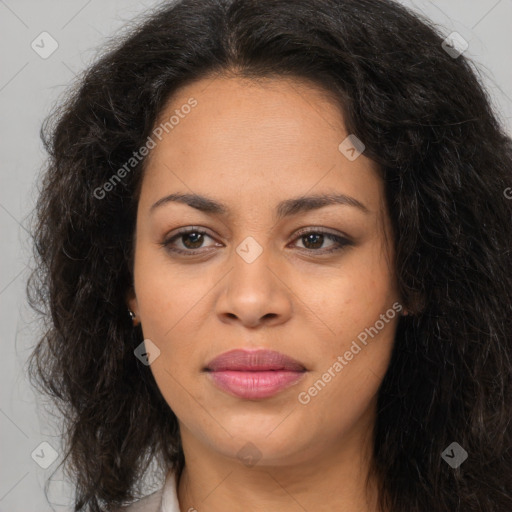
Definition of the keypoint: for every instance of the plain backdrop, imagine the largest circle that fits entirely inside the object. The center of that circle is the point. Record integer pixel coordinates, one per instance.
(29, 87)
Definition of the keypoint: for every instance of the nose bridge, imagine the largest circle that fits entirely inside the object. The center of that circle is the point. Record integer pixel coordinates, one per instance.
(252, 292)
(251, 261)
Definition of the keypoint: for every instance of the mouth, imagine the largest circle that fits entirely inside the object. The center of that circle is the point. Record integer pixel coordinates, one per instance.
(254, 374)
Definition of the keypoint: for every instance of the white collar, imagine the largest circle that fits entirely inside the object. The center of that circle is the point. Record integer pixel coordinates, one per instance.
(164, 499)
(170, 494)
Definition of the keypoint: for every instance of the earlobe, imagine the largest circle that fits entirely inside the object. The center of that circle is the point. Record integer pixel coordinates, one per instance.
(133, 316)
(132, 307)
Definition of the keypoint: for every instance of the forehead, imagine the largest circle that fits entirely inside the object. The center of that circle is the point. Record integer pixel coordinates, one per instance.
(263, 137)
(236, 111)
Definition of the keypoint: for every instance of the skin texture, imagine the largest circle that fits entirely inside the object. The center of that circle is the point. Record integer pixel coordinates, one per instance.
(251, 145)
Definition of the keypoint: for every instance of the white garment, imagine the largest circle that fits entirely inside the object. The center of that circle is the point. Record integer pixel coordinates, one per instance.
(163, 500)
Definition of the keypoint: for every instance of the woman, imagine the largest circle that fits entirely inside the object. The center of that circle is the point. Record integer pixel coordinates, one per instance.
(274, 247)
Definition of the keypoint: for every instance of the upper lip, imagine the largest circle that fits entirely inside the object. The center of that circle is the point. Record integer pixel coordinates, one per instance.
(253, 360)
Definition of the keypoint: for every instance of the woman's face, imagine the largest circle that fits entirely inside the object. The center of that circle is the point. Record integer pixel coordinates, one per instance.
(269, 272)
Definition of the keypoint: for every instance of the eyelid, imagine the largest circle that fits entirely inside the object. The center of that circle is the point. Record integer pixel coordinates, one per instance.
(321, 230)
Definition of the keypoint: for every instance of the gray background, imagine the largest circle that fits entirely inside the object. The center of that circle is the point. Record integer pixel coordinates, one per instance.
(29, 86)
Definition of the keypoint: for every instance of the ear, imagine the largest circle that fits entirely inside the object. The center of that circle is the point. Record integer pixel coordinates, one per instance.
(131, 301)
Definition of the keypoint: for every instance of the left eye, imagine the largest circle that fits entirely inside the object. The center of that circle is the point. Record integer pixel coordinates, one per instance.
(192, 239)
(314, 239)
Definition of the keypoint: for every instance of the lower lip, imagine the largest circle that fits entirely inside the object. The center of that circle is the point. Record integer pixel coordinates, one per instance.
(254, 385)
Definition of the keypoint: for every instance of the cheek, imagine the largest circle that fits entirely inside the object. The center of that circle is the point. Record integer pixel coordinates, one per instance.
(356, 303)
(164, 293)
(354, 295)
(348, 374)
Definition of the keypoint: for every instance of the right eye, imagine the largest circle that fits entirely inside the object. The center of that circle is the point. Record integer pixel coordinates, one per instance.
(191, 239)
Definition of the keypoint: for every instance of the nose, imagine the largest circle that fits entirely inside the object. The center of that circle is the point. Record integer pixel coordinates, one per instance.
(254, 293)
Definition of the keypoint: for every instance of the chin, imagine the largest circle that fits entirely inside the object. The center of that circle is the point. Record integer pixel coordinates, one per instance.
(267, 441)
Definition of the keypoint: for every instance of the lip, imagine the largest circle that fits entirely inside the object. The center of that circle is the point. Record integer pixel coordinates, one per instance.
(254, 374)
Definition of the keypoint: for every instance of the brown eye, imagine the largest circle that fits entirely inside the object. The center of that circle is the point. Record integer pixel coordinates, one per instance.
(313, 241)
(194, 238)
(190, 239)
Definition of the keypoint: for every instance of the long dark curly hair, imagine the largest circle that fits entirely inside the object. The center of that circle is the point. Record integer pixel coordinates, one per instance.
(446, 162)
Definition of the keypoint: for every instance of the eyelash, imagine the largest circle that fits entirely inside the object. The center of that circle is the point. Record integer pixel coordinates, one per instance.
(341, 241)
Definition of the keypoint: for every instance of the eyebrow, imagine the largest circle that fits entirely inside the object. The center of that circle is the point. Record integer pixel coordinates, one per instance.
(284, 209)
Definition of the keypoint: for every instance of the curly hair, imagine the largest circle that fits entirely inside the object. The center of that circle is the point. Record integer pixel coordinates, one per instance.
(444, 156)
